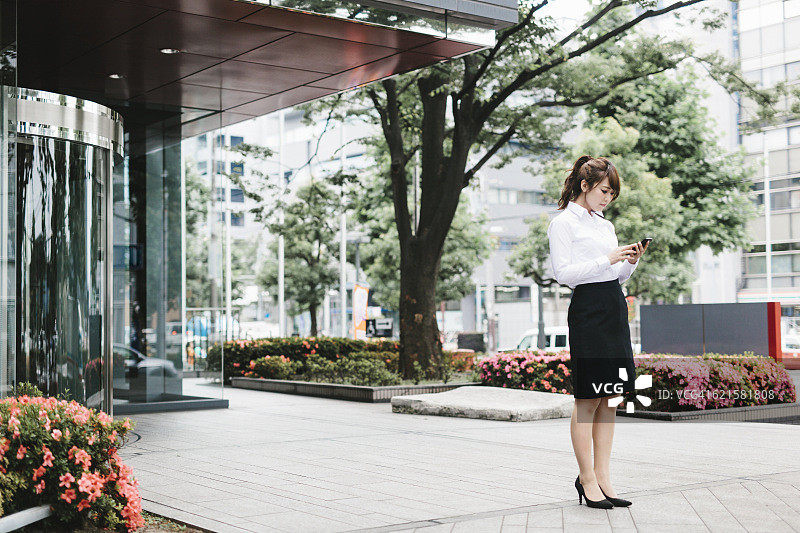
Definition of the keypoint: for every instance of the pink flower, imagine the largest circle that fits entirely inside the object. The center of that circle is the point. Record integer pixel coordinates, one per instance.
(69, 495)
(40, 487)
(56, 434)
(83, 504)
(39, 472)
(48, 456)
(66, 480)
(21, 452)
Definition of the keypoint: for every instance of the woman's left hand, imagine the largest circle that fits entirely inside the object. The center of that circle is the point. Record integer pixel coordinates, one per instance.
(636, 253)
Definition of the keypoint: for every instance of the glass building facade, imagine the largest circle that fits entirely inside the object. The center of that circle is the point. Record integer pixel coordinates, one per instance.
(92, 185)
(769, 51)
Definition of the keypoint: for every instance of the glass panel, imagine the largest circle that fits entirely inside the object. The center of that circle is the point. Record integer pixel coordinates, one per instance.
(753, 143)
(8, 187)
(773, 75)
(791, 8)
(782, 281)
(60, 281)
(792, 31)
(750, 43)
(794, 160)
(749, 19)
(780, 200)
(793, 70)
(755, 283)
(781, 264)
(756, 265)
(778, 163)
(776, 139)
(772, 39)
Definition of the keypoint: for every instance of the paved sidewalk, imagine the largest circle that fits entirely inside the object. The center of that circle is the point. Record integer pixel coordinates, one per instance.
(281, 463)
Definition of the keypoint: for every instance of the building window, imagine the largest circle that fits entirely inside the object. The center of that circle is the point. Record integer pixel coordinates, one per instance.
(237, 219)
(756, 265)
(237, 169)
(236, 140)
(750, 43)
(202, 141)
(220, 167)
(202, 167)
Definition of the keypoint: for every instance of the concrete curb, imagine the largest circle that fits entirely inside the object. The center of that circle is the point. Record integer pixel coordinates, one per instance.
(337, 391)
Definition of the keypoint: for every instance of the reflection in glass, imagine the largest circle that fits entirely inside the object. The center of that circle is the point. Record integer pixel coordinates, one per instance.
(60, 281)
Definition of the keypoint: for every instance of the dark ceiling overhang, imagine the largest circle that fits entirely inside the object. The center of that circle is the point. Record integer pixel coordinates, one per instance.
(237, 59)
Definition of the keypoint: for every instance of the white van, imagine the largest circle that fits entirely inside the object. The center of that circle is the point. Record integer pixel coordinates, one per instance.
(555, 339)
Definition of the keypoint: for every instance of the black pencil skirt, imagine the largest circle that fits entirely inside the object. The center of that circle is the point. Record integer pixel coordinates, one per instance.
(599, 341)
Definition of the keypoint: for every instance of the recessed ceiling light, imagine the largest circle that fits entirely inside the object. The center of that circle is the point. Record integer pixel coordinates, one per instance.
(116, 76)
(170, 51)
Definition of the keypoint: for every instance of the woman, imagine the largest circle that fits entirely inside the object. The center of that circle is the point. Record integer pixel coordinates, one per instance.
(586, 256)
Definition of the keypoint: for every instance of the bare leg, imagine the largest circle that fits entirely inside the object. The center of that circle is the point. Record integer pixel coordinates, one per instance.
(581, 424)
(603, 437)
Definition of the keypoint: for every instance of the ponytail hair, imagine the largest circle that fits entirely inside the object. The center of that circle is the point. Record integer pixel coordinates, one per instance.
(592, 169)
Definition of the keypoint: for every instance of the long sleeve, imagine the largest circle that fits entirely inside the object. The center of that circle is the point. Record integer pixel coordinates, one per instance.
(626, 270)
(566, 272)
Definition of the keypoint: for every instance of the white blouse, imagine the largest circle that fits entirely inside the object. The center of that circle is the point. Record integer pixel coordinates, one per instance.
(579, 246)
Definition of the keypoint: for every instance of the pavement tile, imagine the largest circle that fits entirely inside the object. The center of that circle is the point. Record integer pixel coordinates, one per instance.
(515, 520)
(483, 525)
(549, 518)
(311, 465)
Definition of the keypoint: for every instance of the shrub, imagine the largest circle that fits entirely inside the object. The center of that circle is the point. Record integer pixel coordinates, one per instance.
(63, 454)
(539, 371)
(238, 354)
(272, 367)
(359, 368)
(713, 381)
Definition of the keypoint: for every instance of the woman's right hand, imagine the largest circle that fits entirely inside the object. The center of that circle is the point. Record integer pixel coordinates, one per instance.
(621, 254)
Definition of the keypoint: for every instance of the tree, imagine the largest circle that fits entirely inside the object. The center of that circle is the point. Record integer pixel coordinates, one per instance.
(243, 254)
(309, 231)
(676, 140)
(645, 208)
(461, 114)
(467, 246)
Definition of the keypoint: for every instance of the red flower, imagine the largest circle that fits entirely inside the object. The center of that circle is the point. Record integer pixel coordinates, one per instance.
(69, 495)
(83, 504)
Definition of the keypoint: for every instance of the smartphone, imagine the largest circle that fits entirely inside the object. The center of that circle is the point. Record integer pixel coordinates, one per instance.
(646, 241)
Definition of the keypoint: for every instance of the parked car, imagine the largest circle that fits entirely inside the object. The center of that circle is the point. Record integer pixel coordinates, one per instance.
(555, 339)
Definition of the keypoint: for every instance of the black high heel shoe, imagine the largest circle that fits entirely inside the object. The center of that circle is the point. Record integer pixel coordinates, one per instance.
(616, 502)
(599, 504)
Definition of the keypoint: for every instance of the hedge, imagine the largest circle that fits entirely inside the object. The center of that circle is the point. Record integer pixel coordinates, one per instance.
(680, 383)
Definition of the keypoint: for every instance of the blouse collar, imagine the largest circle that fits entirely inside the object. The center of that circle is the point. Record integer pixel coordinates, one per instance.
(581, 211)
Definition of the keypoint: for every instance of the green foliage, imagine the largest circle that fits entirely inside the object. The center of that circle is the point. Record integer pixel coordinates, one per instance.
(310, 250)
(676, 141)
(466, 247)
(460, 115)
(715, 381)
(238, 354)
(63, 454)
(274, 367)
(26, 389)
(358, 368)
(646, 207)
(198, 244)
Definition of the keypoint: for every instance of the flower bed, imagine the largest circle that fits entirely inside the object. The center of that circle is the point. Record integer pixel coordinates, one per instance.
(239, 354)
(538, 371)
(680, 383)
(62, 454)
(327, 360)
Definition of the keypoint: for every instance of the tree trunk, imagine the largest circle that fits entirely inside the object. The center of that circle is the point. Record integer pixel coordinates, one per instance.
(312, 309)
(419, 332)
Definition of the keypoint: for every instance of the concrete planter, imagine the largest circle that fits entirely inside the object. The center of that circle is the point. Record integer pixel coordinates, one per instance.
(341, 392)
(752, 413)
(24, 518)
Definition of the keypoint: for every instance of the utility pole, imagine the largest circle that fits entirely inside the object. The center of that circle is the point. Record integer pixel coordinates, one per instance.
(343, 245)
(281, 273)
